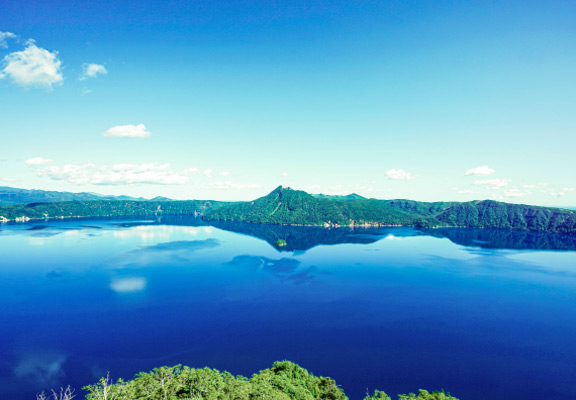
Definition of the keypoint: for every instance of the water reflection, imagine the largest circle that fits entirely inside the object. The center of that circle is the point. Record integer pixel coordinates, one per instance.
(285, 269)
(505, 239)
(175, 252)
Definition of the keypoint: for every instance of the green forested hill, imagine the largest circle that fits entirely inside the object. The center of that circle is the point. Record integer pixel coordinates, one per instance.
(295, 207)
(106, 208)
(11, 196)
(494, 214)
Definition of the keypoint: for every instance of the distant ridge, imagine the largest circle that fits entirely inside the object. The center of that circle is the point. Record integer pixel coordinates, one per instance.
(11, 196)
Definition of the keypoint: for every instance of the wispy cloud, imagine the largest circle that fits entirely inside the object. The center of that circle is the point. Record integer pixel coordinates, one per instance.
(38, 161)
(120, 174)
(516, 192)
(230, 185)
(483, 170)
(493, 184)
(33, 67)
(127, 131)
(42, 368)
(399, 174)
(3, 39)
(92, 71)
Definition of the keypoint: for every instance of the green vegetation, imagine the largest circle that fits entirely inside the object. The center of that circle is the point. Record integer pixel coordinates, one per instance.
(280, 243)
(106, 208)
(497, 215)
(285, 206)
(348, 197)
(293, 207)
(284, 381)
(11, 196)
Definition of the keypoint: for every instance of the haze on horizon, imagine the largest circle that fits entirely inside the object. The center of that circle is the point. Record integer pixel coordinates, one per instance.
(224, 100)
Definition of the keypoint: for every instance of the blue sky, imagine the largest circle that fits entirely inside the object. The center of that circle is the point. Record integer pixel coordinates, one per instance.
(455, 100)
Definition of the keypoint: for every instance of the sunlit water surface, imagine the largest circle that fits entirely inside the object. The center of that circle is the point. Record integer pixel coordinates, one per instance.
(395, 309)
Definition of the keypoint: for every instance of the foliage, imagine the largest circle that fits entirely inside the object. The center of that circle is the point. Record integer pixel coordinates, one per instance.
(285, 206)
(293, 207)
(425, 395)
(9, 196)
(497, 215)
(106, 208)
(283, 381)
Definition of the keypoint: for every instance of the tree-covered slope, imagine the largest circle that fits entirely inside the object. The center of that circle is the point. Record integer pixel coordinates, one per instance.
(284, 381)
(11, 196)
(295, 207)
(105, 208)
(494, 214)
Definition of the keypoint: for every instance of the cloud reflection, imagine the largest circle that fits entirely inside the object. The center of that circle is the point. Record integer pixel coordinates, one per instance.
(128, 285)
(42, 369)
(285, 269)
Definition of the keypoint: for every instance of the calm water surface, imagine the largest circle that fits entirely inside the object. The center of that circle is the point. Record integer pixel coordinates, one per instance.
(482, 314)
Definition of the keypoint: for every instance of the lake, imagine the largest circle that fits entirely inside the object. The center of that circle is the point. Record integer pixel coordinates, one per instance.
(483, 314)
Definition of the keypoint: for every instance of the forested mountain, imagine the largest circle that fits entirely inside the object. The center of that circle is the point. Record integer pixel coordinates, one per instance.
(294, 207)
(494, 214)
(348, 197)
(106, 208)
(10, 196)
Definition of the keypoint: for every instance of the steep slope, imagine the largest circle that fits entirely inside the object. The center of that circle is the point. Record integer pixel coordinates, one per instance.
(494, 214)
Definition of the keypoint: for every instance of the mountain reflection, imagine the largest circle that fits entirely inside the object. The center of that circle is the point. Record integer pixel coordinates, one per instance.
(505, 239)
(302, 238)
(285, 269)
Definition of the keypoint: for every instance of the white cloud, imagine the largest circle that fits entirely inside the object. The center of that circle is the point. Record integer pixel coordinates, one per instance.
(556, 194)
(128, 285)
(493, 184)
(516, 192)
(284, 174)
(483, 170)
(33, 66)
(568, 189)
(224, 173)
(127, 131)
(92, 71)
(120, 174)
(9, 180)
(4, 36)
(230, 185)
(191, 171)
(208, 173)
(38, 161)
(399, 174)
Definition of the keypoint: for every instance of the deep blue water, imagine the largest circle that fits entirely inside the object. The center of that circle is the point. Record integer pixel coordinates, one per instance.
(482, 314)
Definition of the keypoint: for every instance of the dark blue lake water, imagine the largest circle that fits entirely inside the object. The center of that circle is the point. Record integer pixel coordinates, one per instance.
(482, 314)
